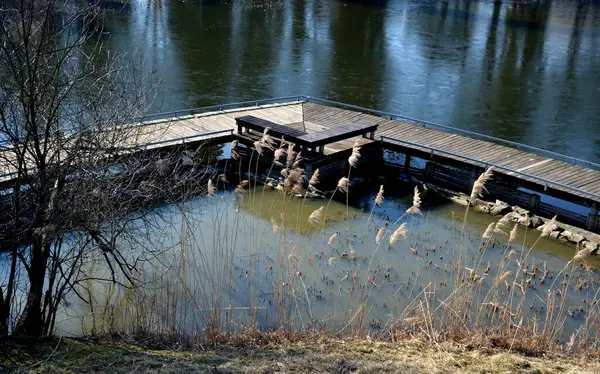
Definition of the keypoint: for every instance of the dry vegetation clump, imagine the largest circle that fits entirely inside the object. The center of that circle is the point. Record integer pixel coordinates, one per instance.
(304, 354)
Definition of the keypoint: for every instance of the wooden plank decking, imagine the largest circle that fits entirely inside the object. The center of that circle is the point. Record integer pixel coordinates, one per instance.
(312, 117)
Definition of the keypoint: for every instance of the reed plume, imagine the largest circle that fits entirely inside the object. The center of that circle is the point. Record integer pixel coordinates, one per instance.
(581, 255)
(380, 235)
(502, 277)
(548, 227)
(290, 156)
(489, 231)
(414, 209)
(400, 232)
(513, 233)
(293, 180)
(210, 188)
(267, 140)
(240, 190)
(502, 225)
(353, 159)
(343, 184)
(332, 239)
(379, 197)
(479, 185)
(234, 154)
(279, 152)
(314, 180)
(259, 147)
(297, 160)
(316, 216)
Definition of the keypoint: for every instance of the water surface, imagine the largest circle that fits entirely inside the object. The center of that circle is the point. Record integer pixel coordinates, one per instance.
(228, 254)
(524, 71)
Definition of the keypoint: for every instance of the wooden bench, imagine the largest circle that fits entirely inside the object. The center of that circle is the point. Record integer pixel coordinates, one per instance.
(315, 141)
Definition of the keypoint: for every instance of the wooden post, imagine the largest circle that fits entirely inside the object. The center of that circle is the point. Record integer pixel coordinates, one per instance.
(534, 203)
(407, 159)
(308, 167)
(592, 217)
(429, 168)
(474, 177)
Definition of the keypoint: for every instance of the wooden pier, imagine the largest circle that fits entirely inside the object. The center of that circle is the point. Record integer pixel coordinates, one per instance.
(517, 166)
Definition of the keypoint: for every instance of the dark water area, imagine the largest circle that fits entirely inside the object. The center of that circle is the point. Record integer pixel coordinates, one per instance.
(524, 71)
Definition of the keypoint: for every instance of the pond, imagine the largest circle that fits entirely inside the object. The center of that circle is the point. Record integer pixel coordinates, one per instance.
(231, 261)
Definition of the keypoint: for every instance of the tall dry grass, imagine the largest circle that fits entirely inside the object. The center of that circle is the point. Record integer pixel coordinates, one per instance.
(229, 272)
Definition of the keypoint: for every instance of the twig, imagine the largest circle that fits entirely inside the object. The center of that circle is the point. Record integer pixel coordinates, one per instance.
(42, 363)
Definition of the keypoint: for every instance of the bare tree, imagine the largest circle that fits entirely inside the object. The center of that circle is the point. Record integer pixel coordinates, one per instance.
(76, 180)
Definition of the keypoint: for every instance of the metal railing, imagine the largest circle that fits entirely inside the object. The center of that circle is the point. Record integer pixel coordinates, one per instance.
(144, 146)
(543, 181)
(182, 139)
(175, 115)
(170, 116)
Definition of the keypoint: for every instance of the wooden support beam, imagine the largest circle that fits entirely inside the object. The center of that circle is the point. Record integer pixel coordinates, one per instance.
(534, 203)
(407, 158)
(592, 218)
(429, 169)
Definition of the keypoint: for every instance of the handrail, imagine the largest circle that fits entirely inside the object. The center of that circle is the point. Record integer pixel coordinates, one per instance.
(183, 138)
(546, 182)
(162, 117)
(146, 145)
(471, 134)
(173, 115)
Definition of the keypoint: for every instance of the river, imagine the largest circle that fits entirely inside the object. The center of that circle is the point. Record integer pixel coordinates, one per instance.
(523, 71)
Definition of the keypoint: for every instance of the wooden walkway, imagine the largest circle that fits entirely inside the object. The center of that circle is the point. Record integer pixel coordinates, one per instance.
(312, 117)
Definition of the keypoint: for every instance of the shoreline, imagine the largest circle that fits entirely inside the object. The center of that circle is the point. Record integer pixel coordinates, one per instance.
(563, 232)
(310, 354)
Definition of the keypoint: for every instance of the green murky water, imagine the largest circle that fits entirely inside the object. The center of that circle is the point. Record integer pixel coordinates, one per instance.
(230, 243)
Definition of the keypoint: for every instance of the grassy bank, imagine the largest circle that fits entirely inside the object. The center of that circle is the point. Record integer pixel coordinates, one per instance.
(308, 355)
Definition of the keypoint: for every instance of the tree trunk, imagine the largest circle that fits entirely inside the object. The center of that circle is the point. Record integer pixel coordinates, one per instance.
(6, 300)
(4, 308)
(31, 322)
